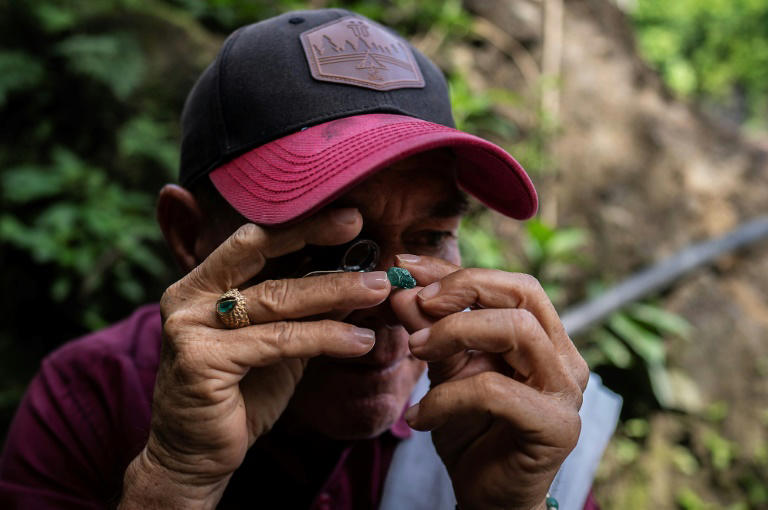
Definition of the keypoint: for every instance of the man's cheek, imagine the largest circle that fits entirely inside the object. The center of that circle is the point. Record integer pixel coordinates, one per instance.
(404, 305)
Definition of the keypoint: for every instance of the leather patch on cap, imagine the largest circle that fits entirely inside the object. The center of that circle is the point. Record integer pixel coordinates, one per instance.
(358, 52)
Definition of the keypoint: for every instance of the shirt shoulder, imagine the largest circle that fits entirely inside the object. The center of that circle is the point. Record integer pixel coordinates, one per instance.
(137, 337)
(85, 415)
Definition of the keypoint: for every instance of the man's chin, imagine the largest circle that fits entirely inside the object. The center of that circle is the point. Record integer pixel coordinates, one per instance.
(344, 406)
(360, 418)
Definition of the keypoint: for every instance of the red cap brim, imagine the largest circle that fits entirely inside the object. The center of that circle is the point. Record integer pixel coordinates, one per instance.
(290, 178)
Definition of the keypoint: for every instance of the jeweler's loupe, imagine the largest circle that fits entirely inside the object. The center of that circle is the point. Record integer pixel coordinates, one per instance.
(360, 255)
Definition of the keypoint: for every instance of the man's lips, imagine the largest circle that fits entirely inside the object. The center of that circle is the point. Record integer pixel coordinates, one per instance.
(367, 369)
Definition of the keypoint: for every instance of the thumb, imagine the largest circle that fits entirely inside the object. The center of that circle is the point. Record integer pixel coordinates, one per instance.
(425, 270)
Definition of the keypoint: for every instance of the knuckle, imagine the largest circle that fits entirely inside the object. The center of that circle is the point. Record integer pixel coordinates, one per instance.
(530, 282)
(282, 331)
(245, 236)
(525, 324)
(173, 325)
(170, 298)
(327, 329)
(573, 393)
(491, 384)
(340, 284)
(471, 274)
(167, 301)
(581, 373)
(272, 294)
(571, 429)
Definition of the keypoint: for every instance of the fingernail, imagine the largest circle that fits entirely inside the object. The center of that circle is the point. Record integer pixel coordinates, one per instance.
(429, 291)
(364, 336)
(345, 216)
(419, 338)
(375, 280)
(407, 258)
(411, 413)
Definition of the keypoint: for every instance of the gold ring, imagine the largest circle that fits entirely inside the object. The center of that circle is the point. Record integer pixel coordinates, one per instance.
(231, 309)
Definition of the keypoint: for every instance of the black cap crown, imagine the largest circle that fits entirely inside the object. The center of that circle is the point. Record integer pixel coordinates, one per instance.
(261, 87)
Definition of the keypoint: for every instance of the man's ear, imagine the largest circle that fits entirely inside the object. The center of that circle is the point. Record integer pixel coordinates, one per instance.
(180, 219)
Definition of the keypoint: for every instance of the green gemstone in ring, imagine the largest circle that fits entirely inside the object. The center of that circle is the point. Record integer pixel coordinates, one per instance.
(401, 278)
(226, 305)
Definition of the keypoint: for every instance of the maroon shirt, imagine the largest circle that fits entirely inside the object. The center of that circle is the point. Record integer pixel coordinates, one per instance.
(86, 415)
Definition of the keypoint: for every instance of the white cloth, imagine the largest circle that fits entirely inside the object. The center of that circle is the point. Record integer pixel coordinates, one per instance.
(418, 480)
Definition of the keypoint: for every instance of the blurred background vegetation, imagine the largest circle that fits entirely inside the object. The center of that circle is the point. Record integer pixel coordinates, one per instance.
(90, 96)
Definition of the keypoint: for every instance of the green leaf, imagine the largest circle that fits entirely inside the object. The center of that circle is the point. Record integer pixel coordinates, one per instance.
(479, 246)
(53, 17)
(684, 460)
(18, 71)
(28, 183)
(722, 451)
(646, 344)
(614, 349)
(61, 288)
(660, 319)
(636, 428)
(115, 59)
(143, 136)
(565, 243)
(661, 384)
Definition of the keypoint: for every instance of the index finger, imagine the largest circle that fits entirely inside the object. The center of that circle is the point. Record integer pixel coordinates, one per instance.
(243, 255)
(492, 288)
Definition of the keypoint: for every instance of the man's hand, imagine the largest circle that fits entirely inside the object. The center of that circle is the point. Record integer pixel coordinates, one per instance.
(218, 390)
(507, 381)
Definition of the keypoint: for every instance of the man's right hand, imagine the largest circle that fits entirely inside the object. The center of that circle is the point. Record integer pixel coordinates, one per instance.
(218, 390)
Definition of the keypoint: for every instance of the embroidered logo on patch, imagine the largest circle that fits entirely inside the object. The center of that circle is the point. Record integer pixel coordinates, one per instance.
(357, 52)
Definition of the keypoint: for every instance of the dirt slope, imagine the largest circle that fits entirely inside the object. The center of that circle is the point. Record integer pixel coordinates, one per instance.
(647, 174)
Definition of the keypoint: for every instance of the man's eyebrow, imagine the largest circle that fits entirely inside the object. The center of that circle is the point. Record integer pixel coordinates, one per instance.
(456, 205)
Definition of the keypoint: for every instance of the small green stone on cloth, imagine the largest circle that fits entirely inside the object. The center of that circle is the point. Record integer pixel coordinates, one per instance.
(400, 277)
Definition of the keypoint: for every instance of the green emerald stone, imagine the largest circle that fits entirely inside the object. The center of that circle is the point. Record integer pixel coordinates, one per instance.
(552, 503)
(226, 305)
(400, 277)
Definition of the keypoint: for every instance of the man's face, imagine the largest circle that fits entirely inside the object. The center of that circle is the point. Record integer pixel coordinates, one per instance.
(412, 207)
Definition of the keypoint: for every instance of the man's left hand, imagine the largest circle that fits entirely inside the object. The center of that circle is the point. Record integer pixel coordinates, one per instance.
(507, 381)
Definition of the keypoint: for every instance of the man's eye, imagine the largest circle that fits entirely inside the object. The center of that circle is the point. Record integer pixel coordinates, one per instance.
(432, 238)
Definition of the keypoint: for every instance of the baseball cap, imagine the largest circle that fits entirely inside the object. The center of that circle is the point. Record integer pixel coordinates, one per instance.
(297, 109)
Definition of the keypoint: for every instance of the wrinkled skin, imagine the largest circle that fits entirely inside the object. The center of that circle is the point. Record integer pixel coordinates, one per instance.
(338, 355)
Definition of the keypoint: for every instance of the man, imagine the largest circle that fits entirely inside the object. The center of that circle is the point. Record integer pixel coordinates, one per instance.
(308, 131)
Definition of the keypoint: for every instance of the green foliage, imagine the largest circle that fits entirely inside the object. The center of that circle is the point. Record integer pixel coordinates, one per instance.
(479, 246)
(714, 50)
(722, 450)
(688, 499)
(114, 59)
(636, 335)
(552, 254)
(548, 253)
(476, 111)
(85, 148)
(144, 137)
(407, 16)
(85, 225)
(18, 70)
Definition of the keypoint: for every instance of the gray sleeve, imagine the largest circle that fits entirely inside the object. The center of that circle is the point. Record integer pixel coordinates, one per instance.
(418, 480)
(599, 415)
